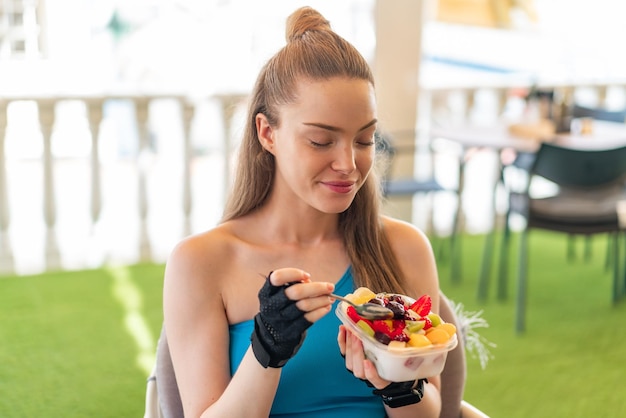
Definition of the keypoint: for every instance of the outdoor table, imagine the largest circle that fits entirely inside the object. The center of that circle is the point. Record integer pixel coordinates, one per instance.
(498, 137)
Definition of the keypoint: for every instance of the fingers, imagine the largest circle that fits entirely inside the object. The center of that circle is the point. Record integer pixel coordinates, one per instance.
(341, 340)
(288, 275)
(372, 375)
(352, 348)
(318, 303)
(295, 278)
(355, 356)
(311, 297)
(315, 315)
(315, 291)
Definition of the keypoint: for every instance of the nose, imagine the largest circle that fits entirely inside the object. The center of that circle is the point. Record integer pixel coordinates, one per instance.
(344, 161)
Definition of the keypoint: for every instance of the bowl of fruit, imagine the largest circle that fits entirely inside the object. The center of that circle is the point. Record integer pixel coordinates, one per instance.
(412, 345)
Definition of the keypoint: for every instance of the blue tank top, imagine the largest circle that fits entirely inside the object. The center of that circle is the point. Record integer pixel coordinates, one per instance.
(315, 382)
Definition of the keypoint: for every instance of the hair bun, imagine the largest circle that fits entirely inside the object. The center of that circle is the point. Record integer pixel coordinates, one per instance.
(303, 20)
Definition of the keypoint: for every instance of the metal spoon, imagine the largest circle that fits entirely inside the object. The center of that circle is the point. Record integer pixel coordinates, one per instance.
(368, 310)
(371, 311)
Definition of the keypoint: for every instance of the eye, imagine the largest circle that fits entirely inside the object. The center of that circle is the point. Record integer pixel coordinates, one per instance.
(319, 143)
(366, 141)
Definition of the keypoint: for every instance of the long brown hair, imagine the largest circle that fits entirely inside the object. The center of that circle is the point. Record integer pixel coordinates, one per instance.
(314, 52)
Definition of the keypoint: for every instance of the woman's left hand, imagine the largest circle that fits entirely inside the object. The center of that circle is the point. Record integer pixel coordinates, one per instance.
(351, 348)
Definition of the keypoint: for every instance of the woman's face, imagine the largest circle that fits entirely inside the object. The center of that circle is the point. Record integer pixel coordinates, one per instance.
(324, 144)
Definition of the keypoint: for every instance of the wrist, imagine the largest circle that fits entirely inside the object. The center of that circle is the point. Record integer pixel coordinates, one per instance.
(400, 394)
(273, 356)
(262, 354)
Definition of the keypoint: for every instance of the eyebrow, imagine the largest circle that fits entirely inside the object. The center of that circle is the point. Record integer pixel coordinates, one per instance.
(336, 129)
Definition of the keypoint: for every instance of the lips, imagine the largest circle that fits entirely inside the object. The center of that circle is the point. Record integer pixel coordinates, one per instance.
(340, 186)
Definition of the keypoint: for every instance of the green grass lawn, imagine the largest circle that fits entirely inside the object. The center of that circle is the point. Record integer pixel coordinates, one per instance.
(570, 362)
(65, 349)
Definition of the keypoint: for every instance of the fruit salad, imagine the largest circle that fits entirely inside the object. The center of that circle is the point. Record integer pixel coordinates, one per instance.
(413, 323)
(414, 344)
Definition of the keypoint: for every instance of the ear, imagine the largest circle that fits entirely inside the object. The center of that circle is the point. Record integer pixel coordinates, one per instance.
(265, 132)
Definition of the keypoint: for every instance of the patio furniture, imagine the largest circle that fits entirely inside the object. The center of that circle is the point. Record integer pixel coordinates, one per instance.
(408, 186)
(520, 167)
(591, 184)
(498, 137)
(603, 114)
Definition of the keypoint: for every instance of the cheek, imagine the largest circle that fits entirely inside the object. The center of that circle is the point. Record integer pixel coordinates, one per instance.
(305, 162)
(365, 162)
(296, 166)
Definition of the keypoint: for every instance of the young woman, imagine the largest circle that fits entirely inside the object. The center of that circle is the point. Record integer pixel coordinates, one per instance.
(246, 304)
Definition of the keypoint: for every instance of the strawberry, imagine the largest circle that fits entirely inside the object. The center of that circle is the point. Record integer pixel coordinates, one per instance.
(422, 306)
(427, 323)
(398, 328)
(381, 326)
(355, 317)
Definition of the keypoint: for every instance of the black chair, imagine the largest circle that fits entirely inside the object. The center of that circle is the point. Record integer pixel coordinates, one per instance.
(602, 114)
(409, 186)
(591, 183)
(519, 168)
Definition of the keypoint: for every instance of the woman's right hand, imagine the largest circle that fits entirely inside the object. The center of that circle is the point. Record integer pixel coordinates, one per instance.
(289, 304)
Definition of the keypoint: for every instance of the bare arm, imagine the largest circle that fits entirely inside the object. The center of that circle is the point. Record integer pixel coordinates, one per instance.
(197, 329)
(198, 334)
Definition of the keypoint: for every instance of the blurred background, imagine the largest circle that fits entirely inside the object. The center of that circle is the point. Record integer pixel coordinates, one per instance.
(118, 118)
(119, 121)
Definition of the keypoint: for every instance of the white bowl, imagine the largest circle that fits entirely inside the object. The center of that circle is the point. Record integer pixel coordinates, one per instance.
(400, 364)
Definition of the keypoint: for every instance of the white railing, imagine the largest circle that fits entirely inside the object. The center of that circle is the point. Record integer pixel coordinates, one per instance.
(452, 102)
(139, 164)
(138, 205)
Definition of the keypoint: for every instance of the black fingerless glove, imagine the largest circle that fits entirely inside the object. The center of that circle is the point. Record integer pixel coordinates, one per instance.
(279, 327)
(399, 394)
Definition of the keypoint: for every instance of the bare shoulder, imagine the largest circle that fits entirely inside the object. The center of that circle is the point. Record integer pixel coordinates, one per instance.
(415, 256)
(405, 237)
(196, 263)
(194, 312)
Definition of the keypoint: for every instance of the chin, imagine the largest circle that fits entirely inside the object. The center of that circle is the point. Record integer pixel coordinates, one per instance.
(333, 204)
(334, 208)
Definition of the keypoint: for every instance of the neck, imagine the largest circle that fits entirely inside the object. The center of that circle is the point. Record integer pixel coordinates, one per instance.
(304, 227)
